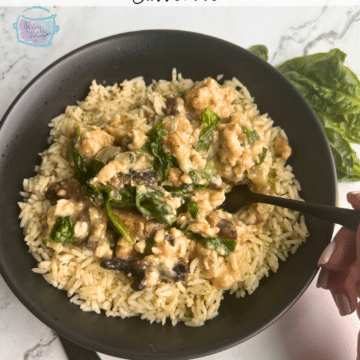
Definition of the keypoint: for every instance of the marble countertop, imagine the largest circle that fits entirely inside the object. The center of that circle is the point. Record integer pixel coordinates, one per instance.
(312, 328)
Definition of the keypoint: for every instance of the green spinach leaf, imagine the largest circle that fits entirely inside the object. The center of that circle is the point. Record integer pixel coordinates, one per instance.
(126, 196)
(252, 136)
(260, 50)
(96, 166)
(63, 230)
(162, 161)
(149, 245)
(78, 157)
(131, 157)
(193, 209)
(346, 160)
(148, 203)
(333, 92)
(102, 195)
(202, 178)
(222, 246)
(117, 223)
(183, 191)
(210, 121)
(262, 156)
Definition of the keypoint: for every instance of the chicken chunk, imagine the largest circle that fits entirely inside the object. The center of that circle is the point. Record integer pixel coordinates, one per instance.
(208, 93)
(92, 140)
(130, 132)
(282, 148)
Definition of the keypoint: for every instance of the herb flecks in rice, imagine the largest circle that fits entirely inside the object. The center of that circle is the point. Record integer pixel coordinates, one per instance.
(212, 136)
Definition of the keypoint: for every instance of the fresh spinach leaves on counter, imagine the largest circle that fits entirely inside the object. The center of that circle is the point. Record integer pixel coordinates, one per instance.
(222, 246)
(333, 92)
(162, 161)
(260, 50)
(63, 230)
(210, 121)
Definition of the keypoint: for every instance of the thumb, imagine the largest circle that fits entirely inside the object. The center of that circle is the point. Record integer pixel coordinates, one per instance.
(354, 199)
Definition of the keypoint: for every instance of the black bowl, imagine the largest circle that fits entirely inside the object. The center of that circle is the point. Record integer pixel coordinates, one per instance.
(153, 54)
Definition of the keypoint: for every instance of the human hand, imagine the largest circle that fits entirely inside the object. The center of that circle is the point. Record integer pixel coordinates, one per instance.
(340, 265)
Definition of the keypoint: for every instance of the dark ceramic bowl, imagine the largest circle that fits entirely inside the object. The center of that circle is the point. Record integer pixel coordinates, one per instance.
(153, 54)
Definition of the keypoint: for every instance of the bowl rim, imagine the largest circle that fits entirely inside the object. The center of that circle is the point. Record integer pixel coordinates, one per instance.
(82, 340)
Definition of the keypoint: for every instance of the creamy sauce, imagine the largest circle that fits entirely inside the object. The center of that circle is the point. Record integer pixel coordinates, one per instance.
(208, 93)
(160, 250)
(93, 139)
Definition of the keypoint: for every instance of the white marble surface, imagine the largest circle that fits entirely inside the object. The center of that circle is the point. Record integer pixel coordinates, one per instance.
(312, 328)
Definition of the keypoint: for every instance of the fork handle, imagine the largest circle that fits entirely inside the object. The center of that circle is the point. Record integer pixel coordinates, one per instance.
(346, 217)
(77, 352)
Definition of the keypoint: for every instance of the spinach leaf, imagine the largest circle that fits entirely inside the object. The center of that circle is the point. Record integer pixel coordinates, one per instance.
(162, 161)
(346, 160)
(260, 50)
(333, 92)
(183, 229)
(89, 191)
(149, 245)
(222, 246)
(86, 171)
(63, 230)
(193, 209)
(328, 85)
(96, 166)
(131, 156)
(125, 196)
(117, 223)
(252, 136)
(210, 121)
(262, 156)
(102, 195)
(202, 178)
(183, 191)
(148, 203)
(78, 157)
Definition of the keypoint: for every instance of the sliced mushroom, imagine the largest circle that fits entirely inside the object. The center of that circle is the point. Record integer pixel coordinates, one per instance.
(130, 268)
(181, 271)
(137, 225)
(64, 189)
(148, 178)
(227, 229)
(174, 106)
